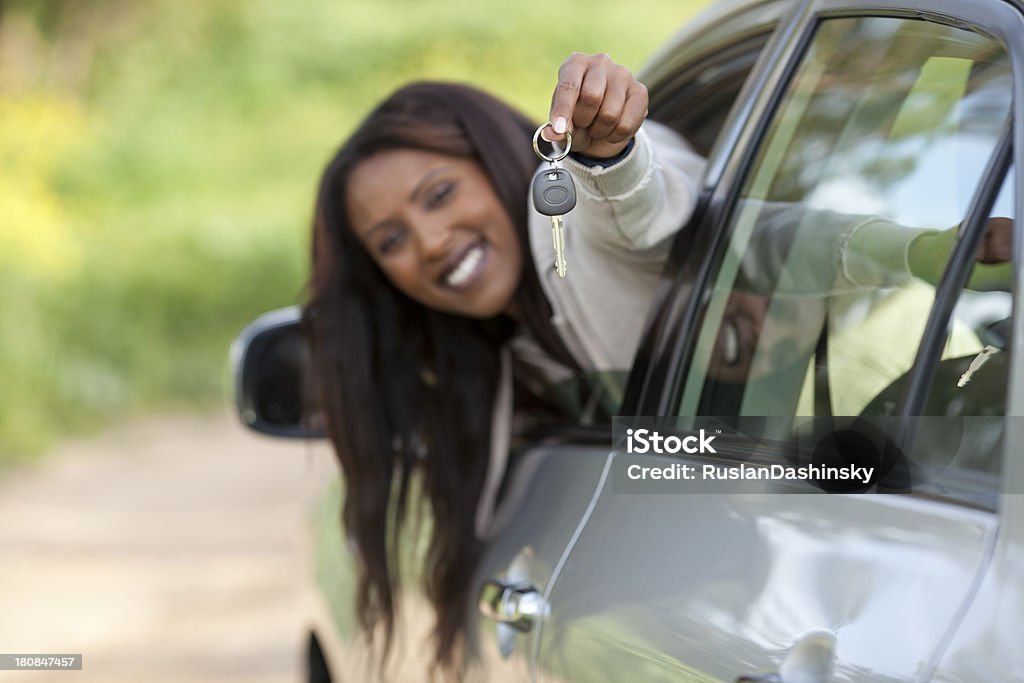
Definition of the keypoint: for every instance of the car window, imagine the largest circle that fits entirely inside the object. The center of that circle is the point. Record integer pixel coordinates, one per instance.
(845, 223)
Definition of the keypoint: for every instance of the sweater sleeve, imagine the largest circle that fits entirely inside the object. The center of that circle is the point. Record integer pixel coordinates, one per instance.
(796, 250)
(638, 203)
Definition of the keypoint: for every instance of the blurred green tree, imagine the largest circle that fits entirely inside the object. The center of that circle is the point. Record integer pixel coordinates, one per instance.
(158, 160)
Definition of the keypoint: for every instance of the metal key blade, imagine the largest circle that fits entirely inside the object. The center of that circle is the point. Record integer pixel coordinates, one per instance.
(558, 239)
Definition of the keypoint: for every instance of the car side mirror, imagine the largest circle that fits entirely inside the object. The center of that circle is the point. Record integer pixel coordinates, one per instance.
(270, 363)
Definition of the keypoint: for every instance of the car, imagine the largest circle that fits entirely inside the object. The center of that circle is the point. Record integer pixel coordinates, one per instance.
(834, 300)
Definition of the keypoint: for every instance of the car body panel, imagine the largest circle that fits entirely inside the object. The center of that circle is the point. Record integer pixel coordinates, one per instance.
(547, 494)
(722, 585)
(702, 586)
(987, 644)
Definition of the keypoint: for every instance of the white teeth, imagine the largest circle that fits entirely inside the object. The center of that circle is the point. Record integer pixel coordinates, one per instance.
(466, 268)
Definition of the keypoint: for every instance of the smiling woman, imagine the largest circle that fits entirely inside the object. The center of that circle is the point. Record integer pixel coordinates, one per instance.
(401, 203)
(435, 314)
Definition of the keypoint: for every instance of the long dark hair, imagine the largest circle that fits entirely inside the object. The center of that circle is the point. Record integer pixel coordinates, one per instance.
(403, 385)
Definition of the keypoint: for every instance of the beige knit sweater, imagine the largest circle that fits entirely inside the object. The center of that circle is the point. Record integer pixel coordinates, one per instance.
(616, 242)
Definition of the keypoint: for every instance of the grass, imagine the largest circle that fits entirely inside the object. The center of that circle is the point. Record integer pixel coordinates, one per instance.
(158, 161)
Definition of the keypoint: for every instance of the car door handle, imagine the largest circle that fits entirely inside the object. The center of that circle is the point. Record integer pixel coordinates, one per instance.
(516, 603)
(808, 661)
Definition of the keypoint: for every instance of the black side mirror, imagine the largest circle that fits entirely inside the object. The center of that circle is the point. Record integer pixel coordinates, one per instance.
(273, 391)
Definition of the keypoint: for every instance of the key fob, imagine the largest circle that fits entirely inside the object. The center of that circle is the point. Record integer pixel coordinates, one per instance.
(554, 193)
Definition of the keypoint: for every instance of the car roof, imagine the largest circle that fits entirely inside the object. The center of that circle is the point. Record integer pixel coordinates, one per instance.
(723, 23)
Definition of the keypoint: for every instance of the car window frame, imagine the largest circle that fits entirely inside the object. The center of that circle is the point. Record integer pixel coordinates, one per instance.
(651, 382)
(670, 343)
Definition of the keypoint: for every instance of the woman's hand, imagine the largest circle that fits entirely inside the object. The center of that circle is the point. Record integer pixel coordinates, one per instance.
(928, 253)
(599, 102)
(997, 241)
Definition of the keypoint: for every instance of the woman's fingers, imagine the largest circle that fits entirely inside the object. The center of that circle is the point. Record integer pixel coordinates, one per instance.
(608, 114)
(599, 101)
(633, 113)
(997, 241)
(563, 100)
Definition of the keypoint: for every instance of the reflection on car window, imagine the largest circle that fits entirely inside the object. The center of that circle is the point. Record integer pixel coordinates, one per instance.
(961, 433)
(847, 219)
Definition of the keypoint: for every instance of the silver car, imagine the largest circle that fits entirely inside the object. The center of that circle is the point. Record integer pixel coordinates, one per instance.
(877, 315)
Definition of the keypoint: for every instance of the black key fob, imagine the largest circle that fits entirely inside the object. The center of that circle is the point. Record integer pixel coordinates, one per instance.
(554, 193)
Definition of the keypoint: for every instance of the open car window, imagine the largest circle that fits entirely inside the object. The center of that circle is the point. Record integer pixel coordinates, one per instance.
(698, 98)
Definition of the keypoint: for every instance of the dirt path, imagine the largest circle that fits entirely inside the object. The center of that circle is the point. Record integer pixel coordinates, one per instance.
(165, 551)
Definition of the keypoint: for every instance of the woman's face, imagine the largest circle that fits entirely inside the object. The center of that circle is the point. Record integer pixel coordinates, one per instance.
(435, 226)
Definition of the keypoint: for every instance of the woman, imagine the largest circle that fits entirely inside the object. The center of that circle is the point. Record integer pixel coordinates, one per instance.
(432, 278)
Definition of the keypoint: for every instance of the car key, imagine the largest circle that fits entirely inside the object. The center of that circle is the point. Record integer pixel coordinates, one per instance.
(554, 195)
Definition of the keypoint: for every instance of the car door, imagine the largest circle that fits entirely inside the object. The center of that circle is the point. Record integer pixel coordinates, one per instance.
(831, 307)
(553, 476)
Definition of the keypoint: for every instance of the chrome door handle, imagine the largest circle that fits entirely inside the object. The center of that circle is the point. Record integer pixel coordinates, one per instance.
(515, 603)
(808, 661)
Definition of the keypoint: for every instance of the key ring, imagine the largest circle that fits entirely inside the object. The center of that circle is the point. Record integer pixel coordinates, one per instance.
(545, 157)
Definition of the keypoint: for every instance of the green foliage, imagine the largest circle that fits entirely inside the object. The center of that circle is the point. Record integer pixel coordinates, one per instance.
(158, 161)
